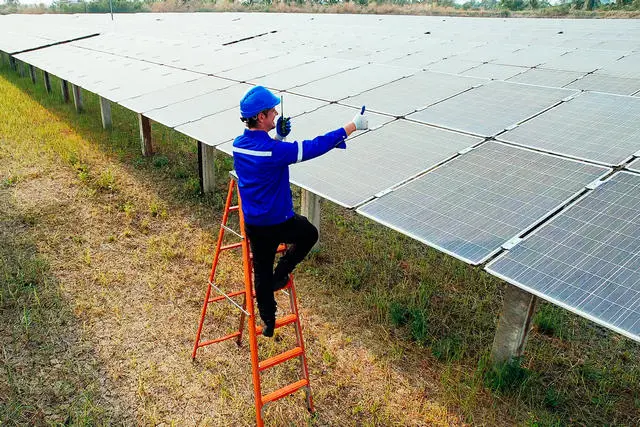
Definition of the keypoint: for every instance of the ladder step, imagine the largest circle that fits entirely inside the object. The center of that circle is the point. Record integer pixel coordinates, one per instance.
(231, 246)
(282, 357)
(221, 297)
(289, 318)
(285, 391)
(233, 208)
(226, 337)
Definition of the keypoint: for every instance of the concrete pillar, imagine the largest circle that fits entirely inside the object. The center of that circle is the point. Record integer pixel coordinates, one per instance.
(105, 113)
(32, 73)
(47, 81)
(145, 135)
(22, 69)
(206, 167)
(514, 324)
(310, 207)
(12, 62)
(64, 86)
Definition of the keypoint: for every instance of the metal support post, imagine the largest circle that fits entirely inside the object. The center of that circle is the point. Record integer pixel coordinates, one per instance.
(206, 167)
(32, 73)
(77, 98)
(47, 81)
(64, 86)
(514, 324)
(310, 207)
(105, 113)
(145, 135)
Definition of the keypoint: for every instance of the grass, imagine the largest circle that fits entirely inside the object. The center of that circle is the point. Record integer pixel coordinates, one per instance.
(103, 272)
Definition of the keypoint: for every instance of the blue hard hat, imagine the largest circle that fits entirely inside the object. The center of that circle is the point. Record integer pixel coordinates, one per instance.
(257, 99)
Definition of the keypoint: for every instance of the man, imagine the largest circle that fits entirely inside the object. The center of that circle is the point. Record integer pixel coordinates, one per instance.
(262, 166)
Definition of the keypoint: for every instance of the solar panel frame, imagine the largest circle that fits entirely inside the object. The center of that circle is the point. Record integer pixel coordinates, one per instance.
(538, 132)
(471, 195)
(557, 235)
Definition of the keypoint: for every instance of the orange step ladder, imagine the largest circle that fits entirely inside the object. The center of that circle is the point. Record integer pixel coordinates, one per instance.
(247, 312)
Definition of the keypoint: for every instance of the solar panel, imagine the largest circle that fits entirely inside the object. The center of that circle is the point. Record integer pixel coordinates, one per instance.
(494, 71)
(452, 66)
(352, 82)
(624, 67)
(378, 160)
(221, 127)
(587, 259)
(491, 108)
(593, 126)
(541, 77)
(198, 107)
(266, 67)
(306, 73)
(635, 166)
(405, 96)
(607, 84)
(473, 204)
(585, 60)
(430, 54)
(529, 56)
(172, 94)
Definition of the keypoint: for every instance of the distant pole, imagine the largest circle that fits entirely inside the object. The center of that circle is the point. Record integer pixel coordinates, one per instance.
(111, 7)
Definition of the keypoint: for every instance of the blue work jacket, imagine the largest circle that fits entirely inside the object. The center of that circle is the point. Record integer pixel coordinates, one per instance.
(262, 166)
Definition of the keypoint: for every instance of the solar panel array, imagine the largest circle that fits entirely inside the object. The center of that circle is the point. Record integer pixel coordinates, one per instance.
(434, 88)
(635, 166)
(587, 258)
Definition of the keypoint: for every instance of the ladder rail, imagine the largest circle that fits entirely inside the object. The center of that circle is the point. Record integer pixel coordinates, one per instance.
(216, 258)
(248, 315)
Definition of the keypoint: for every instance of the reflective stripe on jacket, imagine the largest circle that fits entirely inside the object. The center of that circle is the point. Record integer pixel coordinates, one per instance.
(262, 166)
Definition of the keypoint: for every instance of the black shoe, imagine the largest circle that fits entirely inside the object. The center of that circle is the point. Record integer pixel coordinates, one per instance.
(280, 283)
(268, 328)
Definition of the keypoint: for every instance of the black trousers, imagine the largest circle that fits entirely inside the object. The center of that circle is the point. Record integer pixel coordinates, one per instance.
(300, 236)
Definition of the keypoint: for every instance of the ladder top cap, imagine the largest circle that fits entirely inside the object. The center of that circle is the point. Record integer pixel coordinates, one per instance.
(233, 174)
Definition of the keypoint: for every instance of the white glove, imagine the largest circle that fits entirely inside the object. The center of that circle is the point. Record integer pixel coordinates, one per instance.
(361, 121)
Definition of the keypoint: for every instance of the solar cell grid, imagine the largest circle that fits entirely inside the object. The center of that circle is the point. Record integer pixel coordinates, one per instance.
(627, 66)
(491, 108)
(473, 204)
(586, 259)
(598, 127)
(377, 160)
(635, 166)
